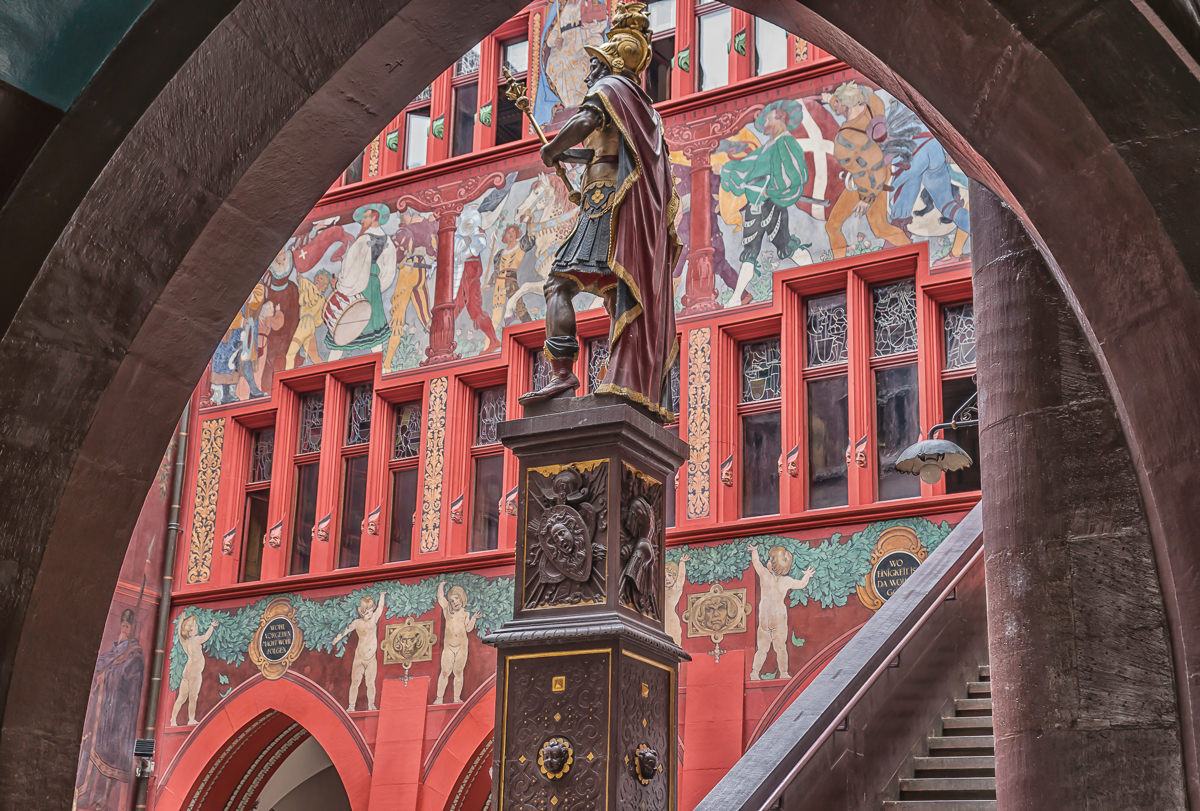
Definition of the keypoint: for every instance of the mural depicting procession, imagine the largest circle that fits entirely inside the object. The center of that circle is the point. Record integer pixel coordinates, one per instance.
(797, 179)
(782, 597)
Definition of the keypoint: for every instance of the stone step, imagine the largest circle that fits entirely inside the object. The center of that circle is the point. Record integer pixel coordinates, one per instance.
(977, 766)
(948, 788)
(985, 672)
(967, 726)
(972, 707)
(939, 805)
(963, 745)
(979, 689)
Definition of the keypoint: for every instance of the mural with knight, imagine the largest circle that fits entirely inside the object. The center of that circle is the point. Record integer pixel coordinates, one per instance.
(788, 602)
(811, 172)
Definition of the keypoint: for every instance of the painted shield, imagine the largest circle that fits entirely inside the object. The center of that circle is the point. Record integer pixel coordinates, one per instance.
(563, 537)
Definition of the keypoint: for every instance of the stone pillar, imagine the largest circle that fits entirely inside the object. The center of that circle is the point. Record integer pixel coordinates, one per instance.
(700, 294)
(586, 710)
(441, 322)
(1084, 699)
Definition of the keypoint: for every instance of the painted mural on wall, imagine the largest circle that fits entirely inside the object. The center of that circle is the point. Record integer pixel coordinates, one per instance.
(793, 179)
(773, 595)
(104, 778)
(562, 73)
(337, 640)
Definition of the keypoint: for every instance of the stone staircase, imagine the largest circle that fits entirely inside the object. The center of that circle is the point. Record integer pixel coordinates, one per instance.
(959, 773)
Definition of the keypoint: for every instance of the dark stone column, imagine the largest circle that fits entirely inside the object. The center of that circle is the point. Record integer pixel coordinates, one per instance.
(1083, 691)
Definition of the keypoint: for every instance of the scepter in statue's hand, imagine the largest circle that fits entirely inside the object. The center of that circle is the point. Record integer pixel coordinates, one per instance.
(516, 94)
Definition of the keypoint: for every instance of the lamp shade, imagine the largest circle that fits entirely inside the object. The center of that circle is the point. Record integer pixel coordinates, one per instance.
(930, 457)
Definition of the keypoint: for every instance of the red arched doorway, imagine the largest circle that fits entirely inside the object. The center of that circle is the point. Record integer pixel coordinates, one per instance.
(232, 755)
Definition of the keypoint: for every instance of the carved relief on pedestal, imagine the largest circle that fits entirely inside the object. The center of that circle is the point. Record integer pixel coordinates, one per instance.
(715, 613)
(641, 542)
(567, 506)
(556, 735)
(643, 781)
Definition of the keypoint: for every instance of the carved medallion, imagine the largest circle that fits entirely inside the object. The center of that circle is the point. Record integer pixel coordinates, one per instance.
(715, 613)
(641, 542)
(897, 554)
(645, 764)
(567, 510)
(278, 641)
(404, 644)
(555, 758)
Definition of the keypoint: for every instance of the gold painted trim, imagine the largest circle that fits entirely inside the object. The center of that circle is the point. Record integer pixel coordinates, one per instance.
(639, 474)
(548, 470)
(659, 665)
(637, 397)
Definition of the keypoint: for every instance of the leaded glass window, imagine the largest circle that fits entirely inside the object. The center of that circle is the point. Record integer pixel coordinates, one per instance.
(490, 415)
(597, 362)
(425, 94)
(895, 317)
(262, 452)
(358, 420)
(468, 62)
(408, 432)
(673, 383)
(826, 330)
(959, 323)
(312, 420)
(543, 372)
(761, 371)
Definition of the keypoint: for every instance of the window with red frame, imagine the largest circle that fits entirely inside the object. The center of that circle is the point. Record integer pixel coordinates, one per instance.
(770, 48)
(464, 102)
(406, 450)
(507, 119)
(487, 479)
(354, 475)
(759, 415)
(307, 461)
(958, 386)
(417, 121)
(710, 52)
(827, 423)
(893, 366)
(657, 78)
(258, 491)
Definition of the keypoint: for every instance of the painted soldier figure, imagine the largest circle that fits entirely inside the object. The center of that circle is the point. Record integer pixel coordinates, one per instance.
(624, 246)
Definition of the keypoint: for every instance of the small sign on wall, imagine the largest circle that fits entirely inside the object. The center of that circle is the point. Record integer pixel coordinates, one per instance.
(898, 553)
(278, 641)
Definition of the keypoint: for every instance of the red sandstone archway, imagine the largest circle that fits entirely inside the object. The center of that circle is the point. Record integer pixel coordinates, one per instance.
(257, 719)
(462, 753)
(162, 241)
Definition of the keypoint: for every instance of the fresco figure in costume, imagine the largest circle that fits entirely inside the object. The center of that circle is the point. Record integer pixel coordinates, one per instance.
(774, 583)
(771, 178)
(676, 576)
(867, 173)
(416, 247)
(550, 218)
(459, 623)
(570, 26)
(504, 275)
(367, 269)
(192, 642)
(111, 723)
(365, 666)
(282, 293)
(624, 246)
(313, 297)
(469, 242)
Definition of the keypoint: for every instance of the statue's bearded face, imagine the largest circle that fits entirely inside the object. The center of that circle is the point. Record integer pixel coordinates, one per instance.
(597, 70)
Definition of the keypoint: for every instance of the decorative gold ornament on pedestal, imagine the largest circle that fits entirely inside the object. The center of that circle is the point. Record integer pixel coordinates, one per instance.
(715, 613)
(404, 644)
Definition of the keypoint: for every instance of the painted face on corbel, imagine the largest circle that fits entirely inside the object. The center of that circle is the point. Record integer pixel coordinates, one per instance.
(275, 538)
(860, 458)
(456, 513)
(727, 477)
(227, 545)
(793, 469)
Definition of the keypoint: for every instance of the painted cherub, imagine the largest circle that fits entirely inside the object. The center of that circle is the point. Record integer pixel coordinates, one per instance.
(459, 623)
(774, 583)
(366, 624)
(193, 670)
(676, 576)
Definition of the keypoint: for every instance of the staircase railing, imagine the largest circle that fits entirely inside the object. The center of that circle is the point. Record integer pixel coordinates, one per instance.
(844, 741)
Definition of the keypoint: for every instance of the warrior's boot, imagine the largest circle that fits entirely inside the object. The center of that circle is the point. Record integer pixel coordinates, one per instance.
(562, 381)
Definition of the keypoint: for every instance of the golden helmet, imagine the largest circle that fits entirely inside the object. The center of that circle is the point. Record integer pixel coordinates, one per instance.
(628, 48)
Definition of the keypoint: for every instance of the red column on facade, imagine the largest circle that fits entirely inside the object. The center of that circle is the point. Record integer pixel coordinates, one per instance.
(447, 201)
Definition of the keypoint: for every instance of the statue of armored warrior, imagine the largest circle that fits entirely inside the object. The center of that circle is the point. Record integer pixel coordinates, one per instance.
(624, 246)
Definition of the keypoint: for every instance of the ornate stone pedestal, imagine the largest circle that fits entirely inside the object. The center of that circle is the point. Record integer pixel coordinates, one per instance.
(586, 677)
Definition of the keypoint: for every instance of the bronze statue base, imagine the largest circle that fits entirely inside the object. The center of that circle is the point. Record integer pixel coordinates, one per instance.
(586, 676)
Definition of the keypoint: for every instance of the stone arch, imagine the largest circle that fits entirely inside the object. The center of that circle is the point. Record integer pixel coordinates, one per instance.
(163, 235)
(255, 718)
(461, 752)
